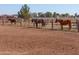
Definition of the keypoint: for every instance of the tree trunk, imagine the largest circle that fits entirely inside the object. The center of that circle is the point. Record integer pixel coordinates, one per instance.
(26, 22)
(20, 24)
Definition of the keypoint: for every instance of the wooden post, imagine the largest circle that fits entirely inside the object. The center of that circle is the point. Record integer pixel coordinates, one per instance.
(77, 22)
(3, 21)
(52, 23)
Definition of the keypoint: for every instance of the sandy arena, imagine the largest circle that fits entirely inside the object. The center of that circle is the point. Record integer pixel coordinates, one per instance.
(31, 41)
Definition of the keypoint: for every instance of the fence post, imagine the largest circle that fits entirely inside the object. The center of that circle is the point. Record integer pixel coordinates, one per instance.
(77, 22)
(3, 21)
(52, 23)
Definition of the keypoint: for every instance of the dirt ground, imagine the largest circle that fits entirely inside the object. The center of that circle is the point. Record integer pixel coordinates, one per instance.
(31, 41)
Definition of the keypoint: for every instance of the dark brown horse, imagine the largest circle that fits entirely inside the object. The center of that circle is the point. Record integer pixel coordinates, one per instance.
(64, 22)
(12, 20)
(38, 21)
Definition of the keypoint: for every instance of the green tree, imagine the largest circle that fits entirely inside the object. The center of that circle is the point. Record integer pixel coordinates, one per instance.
(40, 14)
(55, 14)
(24, 12)
(34, 14)
(65, 15)
(48, 14)
(75, 15)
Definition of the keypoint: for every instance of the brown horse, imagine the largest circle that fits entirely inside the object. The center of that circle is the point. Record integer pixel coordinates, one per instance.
(64, 22)
(38, 21)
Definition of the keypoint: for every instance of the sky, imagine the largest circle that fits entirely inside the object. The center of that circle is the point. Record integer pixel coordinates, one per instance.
(60, 8)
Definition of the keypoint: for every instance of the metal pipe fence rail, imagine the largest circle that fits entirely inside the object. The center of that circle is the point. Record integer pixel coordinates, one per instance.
(56, 26)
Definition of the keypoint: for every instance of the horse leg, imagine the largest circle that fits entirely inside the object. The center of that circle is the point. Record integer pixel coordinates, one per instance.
(15, 23)
(61, 27)
(36, 25)
(11, 22)
(70, 27)
(33, 24)
(40, 26)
